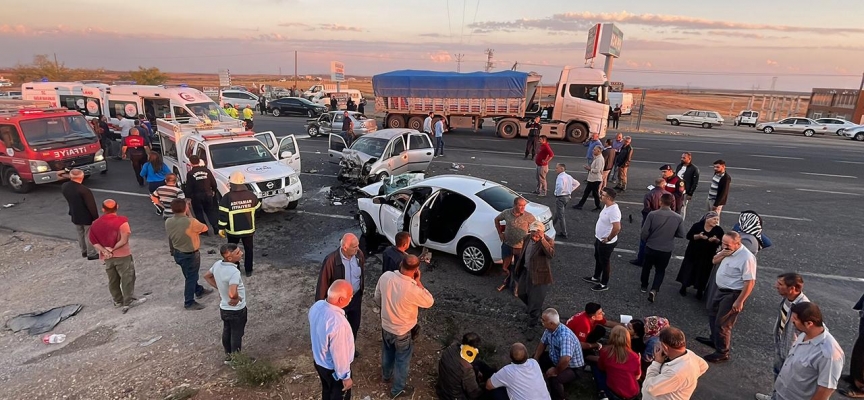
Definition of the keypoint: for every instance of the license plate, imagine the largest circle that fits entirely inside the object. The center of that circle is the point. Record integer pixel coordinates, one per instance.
(271, 193)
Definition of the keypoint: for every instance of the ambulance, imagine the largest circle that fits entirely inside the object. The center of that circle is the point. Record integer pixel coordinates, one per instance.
(181, 103)
(271, 166)
(85, 98)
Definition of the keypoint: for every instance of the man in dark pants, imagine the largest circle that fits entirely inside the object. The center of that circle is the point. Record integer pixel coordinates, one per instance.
(183, 234)
(262, 104)
(688, 173)
(659, 231)
(225, 277)
(332, 341)
(605, 239)
(82, 209)
(136, 148)
(533, 134)
(349, 263)
(564, 355)
(735, 279)
(201, 188)
(534, 269)
(394, 255)
(650, 202)
(616, 115)
(237, 216)
(334, 104)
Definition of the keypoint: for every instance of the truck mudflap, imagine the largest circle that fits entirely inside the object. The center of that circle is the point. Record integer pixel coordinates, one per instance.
(55, 176)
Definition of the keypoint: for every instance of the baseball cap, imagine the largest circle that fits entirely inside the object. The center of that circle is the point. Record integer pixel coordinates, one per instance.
(666, 167)
(536, 226)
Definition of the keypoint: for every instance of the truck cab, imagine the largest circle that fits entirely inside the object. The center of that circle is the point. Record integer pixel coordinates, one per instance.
(40, 143)
(580, 103)
(271, 166)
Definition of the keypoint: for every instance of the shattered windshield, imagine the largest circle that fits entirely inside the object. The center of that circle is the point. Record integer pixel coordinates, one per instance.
(371, 146)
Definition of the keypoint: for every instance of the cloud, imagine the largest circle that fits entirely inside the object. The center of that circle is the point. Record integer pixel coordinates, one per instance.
(295, 25)
(771, 63)
(338, 28)
(440, 57)
(579, 21)
(432, 35)
(633, 64)
(746, 35)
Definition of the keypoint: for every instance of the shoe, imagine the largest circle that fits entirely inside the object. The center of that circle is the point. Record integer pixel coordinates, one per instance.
(643, 289)
(248, 273)
(577, 207)
(502, 287)
(602, 395)
(591, 279)
(227, 359)
(535, 192)
(637, 263)
(204, 291)
(600, 288)
(84, 254)
(91, 258)
(716, 358)
(118, 304)
(407, 392)
(195, 306)
(652, 296)
(561, 236)
(706, 341)
(760, 396)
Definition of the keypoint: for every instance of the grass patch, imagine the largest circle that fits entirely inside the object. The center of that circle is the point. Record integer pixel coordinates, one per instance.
(252, 372)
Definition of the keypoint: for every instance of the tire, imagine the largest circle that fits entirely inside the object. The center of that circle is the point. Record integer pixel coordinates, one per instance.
(706, 125)
(276, 112)
(13, 180)
(395, 121)
(859, 137)
(809, 133)
(177, 174)
(507, 130)
(381, 176)
(675, 122)
(577, 133)
(768, 129)
(310, 114)
(367, 226)
(415, 123)
(313, 131)
(839, 132)
(292, 205)
(474, 256)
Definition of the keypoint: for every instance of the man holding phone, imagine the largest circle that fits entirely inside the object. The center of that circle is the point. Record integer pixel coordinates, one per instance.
(675, 370)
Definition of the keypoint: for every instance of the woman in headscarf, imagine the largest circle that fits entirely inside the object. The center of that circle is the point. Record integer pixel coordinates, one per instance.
(653, 326)
(749, 226)
(705, 237)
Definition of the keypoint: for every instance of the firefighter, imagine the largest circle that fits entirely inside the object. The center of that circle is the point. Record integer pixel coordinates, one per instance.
(237, 216)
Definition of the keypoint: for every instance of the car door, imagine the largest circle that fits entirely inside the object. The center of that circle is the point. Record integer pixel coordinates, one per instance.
(338, 120)
(335, 145)
(688, 117)
(289, 106)
(420, 226)
(803, 124)
(391, 213)
(289, 152)
(419, 152)
(785, 125)
(701, 116)
(398, 161)
(268, 138)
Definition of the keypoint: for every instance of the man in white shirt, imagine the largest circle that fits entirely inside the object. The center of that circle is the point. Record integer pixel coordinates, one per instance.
(427, 124)
(564, 185)
(606, 238)
(439, 137)
(333, 341)
(124, 125)
(225, 277)
(400, 294)
(522, 378)
(675, 371)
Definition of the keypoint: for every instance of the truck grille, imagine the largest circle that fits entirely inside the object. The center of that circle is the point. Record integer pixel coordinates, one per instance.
(59, 165)
(267, 186)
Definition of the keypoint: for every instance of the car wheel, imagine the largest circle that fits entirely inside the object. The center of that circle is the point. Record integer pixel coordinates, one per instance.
(675, 122)
(276, 112)
(312, 131)
(839, 132)
(310, 113)
(768, 129)
(508, 130)
(292, 205)
(382, 176)
(860, 137)
(475, 257)
(706, 125)
(12, 179)
(809, 133)
(577, 133)
(367, 226)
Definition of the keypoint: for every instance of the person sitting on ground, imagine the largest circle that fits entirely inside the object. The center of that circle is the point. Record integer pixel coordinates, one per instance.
(636, 327)
(618, 370)
(653, 326)
(522, 379)
(563, 357)
(459, 372)
(675, 371)
(589, 326)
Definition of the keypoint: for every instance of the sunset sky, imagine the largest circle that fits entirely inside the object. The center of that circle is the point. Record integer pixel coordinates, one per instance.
(716, 44)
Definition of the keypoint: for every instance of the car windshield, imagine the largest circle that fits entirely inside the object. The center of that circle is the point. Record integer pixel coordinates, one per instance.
(55, 132)
(239, 153)
(307, 102)
(210, 110)
(499, 197)
(371, 146)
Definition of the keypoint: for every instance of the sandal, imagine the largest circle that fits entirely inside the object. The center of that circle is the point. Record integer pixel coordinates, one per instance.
(852, 393)
(502, 287)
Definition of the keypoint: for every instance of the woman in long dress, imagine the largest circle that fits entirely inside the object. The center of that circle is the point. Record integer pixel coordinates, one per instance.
(705, 237)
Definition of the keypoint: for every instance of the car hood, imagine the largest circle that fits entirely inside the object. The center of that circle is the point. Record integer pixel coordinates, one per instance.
(356, 157)
(257, 172)
(541, 212)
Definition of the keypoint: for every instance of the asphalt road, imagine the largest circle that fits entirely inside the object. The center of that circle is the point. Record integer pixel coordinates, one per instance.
(808, 190)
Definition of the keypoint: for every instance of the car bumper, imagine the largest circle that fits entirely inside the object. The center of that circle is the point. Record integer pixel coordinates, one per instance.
(55, 176)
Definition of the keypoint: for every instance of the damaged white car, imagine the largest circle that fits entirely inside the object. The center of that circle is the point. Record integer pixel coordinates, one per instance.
(378, 155)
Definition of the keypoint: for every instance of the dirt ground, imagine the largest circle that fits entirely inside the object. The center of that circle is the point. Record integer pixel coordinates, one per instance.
(104, 356)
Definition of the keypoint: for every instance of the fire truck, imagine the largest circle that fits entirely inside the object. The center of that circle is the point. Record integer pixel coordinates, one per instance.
(40, 144)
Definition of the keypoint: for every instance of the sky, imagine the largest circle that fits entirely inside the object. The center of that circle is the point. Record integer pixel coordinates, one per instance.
(732, 44)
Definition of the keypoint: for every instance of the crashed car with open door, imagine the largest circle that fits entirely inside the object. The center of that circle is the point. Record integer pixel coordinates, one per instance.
(378, 155)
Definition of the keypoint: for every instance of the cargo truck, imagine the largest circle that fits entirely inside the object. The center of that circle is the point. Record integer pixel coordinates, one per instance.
(509, 98)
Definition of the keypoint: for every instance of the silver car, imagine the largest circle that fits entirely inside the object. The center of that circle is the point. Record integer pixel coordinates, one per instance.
(331, 121)
(836, 125)
(378, 155)
(806, 126)
(856, 133)
(240, 98)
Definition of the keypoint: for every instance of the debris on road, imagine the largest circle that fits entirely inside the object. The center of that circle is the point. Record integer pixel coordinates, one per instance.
(41, 322)
(28, 247)
(312, 171)
(9, 205)
(457, 167)
(149, 342)
(54, 339)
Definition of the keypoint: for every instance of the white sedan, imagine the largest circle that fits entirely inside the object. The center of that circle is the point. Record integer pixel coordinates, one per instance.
(450, 213)
(856, 133)
(836, 125)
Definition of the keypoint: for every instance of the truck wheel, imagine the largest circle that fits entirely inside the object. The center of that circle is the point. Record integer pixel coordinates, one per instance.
(395, 121)
(508, 129)
(415, 123)
(12, 179)
(577, 133)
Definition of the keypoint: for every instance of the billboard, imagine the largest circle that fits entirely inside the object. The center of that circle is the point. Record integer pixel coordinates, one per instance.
(337, 71)
(616, 86)
(593, 40)
(612, 40)
(224, 77)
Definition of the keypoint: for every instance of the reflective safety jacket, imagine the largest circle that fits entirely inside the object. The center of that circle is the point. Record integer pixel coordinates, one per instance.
(231, 112)
(237, 211)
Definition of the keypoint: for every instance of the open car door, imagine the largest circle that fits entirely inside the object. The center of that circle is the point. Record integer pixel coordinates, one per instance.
(420, 221)
(269, 140)
(289, 152)
(335, 145)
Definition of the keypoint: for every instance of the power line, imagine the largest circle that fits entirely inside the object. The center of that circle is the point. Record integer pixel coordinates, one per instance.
(462, 30)
(449, 25)
(471, 33)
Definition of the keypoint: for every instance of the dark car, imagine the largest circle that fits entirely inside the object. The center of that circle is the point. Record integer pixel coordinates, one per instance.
(294, 105)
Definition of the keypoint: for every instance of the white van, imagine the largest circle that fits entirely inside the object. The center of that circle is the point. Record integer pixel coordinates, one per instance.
(342, 97)
(183, 104)
(76, 96)
(747, 117)
(625, 100)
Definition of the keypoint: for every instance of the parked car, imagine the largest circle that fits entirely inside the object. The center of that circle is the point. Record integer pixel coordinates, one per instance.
(240, 98)
(294, 105)
(856, 133)
(378, 155)
(706, 119)
(806, 126)
(332, 122)
(448, 213)
(836, 125)
(747, 117)
(11, 95)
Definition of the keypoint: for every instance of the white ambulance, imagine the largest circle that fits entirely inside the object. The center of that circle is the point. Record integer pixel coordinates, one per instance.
(85, 98)
(181, 103)
(271, 166)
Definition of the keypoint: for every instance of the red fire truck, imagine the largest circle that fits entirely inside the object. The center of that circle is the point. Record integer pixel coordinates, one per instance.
(39, 144)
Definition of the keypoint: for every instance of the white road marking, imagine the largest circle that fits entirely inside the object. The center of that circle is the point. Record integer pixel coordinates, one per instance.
(785, 147)
(824, 276)
(591, 246)
(849, 162)
(487, 165)
(679, 140)
(737, 212)
(781, 157)
(317, 174)
(120, 192)
(696, 152)
(744, 169)
(323, 215)
(829, 192)
(831, 175)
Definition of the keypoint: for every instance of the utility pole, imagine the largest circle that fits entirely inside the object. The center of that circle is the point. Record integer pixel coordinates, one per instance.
(489, 64)
(515, 65)
(459, 62)
(56, 64)
(295, 70)
(773, 101)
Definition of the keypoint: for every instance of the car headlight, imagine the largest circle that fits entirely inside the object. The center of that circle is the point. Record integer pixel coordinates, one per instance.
(100, 156)
(293, 179)
(367, 168)
(37, 166)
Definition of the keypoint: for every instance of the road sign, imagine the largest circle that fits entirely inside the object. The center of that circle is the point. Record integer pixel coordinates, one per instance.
(337, 71)
(224, 77)
(613, 38)
(211, 92)
(593, 40)
(616, 86)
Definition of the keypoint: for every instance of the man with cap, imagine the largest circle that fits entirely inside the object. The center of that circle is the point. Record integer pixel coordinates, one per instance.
(673, 185)
(248, 113)
(201, 188)
(237, 216)
(534, 269)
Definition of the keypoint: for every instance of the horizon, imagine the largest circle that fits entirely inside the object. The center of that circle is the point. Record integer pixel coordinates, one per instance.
(664, 45)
